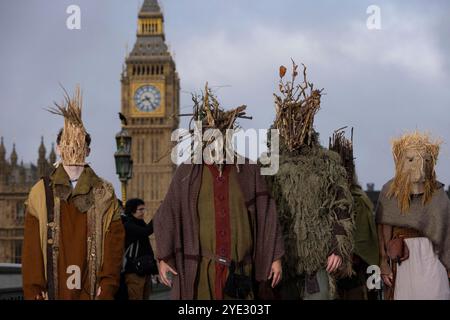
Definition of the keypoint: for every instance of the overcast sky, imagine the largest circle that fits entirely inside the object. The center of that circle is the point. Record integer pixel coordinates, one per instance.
(381, 82)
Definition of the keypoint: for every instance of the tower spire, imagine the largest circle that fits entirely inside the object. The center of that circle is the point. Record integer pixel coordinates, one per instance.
(151, 21)
(150, 6)
(42, 162)
(42, 150)
(52, 156)
(2, 150)
(2, 161)
(14, 156)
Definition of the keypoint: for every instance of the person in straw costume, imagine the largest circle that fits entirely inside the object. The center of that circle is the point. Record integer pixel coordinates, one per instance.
(73, 238)
(413, 217)
(312, 196)
(217, 233)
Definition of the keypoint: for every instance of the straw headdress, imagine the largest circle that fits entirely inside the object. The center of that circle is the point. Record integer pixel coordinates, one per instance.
(73, 145)
(401, 184)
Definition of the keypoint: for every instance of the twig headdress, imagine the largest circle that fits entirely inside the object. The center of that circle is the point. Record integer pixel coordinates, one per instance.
(211, 115)
(207, 109)
(295, 109)
(344, 147)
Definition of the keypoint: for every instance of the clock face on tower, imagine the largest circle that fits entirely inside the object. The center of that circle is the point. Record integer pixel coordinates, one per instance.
(147, 98)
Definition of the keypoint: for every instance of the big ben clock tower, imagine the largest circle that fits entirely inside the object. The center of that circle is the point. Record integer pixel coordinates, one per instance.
(150, 102)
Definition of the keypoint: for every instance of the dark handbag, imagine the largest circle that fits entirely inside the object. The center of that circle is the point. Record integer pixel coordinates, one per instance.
(397, 250)
(145, 265)
(237, 286)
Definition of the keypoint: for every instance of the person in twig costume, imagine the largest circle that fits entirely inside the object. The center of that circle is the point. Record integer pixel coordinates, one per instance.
(217, 231)
(73, 238)
(365, 233)
(413, 217)
(312, 196)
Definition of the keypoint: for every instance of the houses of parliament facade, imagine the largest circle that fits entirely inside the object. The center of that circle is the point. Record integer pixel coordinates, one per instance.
(16, 180)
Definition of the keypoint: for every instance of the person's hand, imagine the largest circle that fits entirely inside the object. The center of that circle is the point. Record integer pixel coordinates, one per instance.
(41, 296)
(164, 268)
(386, 274)
(275, 272)
(333, 263)
(99, 291)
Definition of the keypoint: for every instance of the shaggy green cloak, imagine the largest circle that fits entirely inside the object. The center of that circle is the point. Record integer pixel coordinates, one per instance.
(310, 190)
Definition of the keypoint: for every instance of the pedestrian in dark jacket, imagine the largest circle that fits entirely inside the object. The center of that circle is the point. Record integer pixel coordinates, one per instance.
(139, 262)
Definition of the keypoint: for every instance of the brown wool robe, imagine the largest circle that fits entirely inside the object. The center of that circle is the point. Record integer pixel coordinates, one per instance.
(177, 225)
(73, 248)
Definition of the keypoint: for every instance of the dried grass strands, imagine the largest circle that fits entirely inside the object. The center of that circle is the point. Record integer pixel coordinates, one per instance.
(295, 109)
(310, 190)
(401, 185)
(73, 145)
(344, 147)
(207, 110)
(418, 141)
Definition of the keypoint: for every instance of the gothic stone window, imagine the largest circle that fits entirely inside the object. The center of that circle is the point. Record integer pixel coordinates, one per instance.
(20, 211)
(17, 251)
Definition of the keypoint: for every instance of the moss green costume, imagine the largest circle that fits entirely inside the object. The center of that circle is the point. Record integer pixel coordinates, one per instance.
(315, 210)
